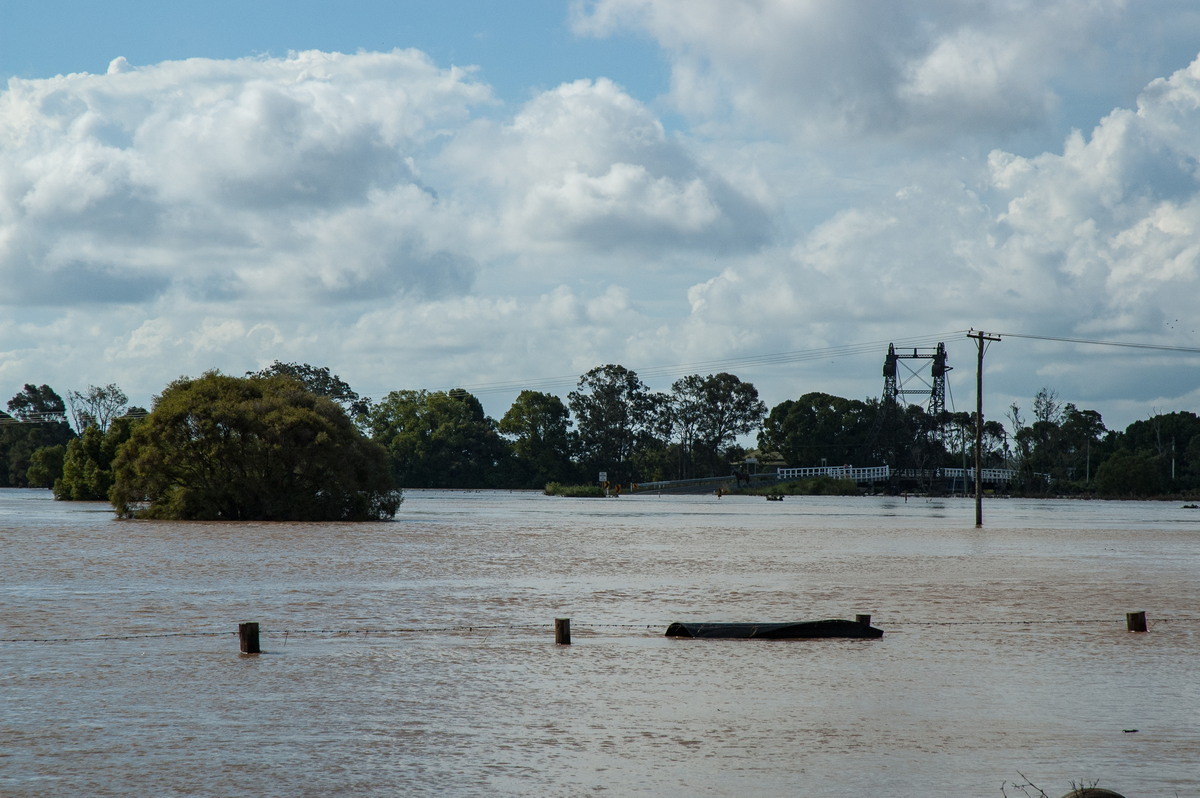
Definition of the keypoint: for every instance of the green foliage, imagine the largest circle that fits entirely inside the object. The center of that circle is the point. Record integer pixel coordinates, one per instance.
(574, 491)
(619, 421)
(228, 448)
(438, 440)
(539, 425)
(38, 421)
(318, 380)
(46, 466)
(817, 427)
(444, 439)
(1060, 450)
(87, 464)
(1129, 474)
(816, 486)
(36, 403)
(708, 413)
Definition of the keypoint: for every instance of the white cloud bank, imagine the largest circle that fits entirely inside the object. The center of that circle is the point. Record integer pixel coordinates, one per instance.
(390, 219)
(268, 206)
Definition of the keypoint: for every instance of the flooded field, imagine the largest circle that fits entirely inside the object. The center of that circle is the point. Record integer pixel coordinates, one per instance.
(418, 657)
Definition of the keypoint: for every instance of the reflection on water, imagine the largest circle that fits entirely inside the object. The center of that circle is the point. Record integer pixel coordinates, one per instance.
(1005, 650)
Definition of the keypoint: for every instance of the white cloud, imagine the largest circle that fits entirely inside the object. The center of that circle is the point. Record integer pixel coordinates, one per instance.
(386, 217)
(1099, 240)
(932, 71)
(587, 165)
(283, 177)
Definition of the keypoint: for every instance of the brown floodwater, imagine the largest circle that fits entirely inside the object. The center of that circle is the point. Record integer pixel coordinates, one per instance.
(417, 656)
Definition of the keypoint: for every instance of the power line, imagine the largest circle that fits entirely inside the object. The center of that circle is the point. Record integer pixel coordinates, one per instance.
(48, 417)
(1127, 344)
(800, 356)
(682, 369)
(52, 417)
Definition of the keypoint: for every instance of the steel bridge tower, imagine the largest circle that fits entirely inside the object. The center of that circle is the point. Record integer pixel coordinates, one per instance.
(913, 381)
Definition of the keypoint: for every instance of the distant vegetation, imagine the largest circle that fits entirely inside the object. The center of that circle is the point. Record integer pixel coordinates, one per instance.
(817, 486)
(94, 446)
(574, 491)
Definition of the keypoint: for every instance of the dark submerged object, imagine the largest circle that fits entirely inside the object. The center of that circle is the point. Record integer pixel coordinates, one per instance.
(775, 631)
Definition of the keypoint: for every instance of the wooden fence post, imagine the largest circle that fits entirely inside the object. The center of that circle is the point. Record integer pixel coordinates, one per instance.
(248, 635)
(1135, 621)
(562, 631)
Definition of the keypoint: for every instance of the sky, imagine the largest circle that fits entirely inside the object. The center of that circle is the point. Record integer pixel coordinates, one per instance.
(501, 196)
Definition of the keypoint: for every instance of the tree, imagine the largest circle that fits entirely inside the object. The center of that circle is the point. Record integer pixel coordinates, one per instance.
(36, 403)
(262, 448)
(84, 469)
(540, 427)
(38, 420)
(818, 427)
(46, 466)
(1046, 406)
(1169, 439)
(438, 439)
(98, 406)
(619, 421)
(320, 381)
(1127, 473)
(709, 413)
(86, 473)
(1079, 434)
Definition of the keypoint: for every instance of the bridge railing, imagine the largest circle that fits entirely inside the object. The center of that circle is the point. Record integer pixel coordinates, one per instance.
(989, 475)
(985, 474)
(869, 474)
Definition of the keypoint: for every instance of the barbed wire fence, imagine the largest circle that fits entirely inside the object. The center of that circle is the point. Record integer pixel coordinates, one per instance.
(595, 629)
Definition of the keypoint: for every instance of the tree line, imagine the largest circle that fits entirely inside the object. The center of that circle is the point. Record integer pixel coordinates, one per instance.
(611, 422)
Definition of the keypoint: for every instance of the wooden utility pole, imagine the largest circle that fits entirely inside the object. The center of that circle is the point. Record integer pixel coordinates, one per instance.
(980, 337)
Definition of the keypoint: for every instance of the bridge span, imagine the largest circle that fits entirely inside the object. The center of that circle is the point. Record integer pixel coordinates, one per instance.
(872, 474)
(869, 475)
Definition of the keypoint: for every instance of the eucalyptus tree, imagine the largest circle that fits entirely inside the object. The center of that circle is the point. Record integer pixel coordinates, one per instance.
(318, 380)
(539, 426)
(438, 439)
(710, 413)
(98, 406)
(37, 419)
(1172, 440)
(620, 422)
(819, 428)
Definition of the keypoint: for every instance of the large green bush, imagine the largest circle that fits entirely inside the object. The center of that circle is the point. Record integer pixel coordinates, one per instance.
(229, 448)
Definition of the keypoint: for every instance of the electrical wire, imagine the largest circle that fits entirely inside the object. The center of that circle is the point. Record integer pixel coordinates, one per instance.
(1127, 344)
(728, 364)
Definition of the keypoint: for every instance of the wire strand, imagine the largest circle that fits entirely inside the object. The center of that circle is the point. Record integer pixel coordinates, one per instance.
(577, 627)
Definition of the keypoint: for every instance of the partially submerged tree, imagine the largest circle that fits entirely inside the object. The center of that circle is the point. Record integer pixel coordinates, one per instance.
(99, 406)
(539, 425)
(260, 448)
(438, 439)
(618, 418)
(87, 465)
(318, 380)
(46, 466)
(38, 421)
(818, 427)
(709, 413)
